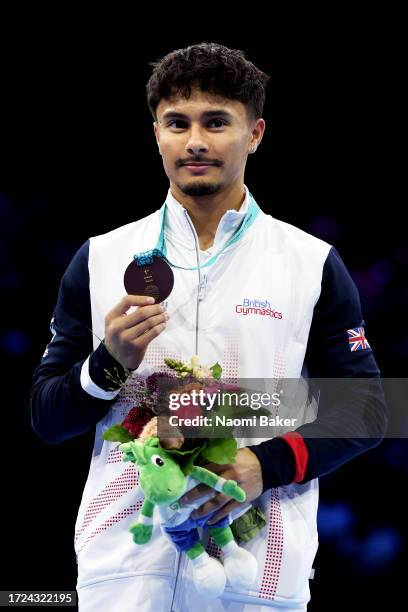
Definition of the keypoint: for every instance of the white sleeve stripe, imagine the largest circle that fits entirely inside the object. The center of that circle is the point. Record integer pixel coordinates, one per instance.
(90, 387)
(145, 520)
(219, 484)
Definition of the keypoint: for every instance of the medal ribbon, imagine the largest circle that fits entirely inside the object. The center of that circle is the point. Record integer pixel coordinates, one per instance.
(160, 250)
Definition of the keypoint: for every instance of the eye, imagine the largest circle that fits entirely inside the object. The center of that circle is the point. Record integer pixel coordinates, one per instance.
(182, 124)
(177, 121)
(157, 460)
(219, 120)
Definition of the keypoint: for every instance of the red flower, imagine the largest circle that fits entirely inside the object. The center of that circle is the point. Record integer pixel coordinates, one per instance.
(136, 419)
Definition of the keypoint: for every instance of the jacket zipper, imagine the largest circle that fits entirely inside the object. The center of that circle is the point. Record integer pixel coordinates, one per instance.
(175, 582)
(173, 599)
(199, 278)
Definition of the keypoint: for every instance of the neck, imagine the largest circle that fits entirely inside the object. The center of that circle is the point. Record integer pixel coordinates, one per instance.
(206, 211)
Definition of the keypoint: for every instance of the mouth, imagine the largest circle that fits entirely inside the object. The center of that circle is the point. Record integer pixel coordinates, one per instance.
(197, 167)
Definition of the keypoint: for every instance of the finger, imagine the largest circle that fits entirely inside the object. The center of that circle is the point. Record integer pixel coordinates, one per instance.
(216, 503)
(225, 510)
(225, 470)
(195, 494)
(143, 340)
(170, 443)
(131, 333)
(126, 302)
(141, 314)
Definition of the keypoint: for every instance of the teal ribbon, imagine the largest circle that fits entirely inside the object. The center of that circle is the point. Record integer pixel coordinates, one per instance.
(160, 250)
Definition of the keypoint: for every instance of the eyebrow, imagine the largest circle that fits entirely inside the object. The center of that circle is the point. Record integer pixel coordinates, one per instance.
(214, 113)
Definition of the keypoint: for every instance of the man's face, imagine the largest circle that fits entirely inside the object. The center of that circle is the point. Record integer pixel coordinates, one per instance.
(206, 128)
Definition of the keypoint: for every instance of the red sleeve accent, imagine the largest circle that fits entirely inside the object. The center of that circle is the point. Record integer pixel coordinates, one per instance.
(299, 448)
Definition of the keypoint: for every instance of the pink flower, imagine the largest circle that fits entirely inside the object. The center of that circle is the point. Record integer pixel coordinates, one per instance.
(188, 412)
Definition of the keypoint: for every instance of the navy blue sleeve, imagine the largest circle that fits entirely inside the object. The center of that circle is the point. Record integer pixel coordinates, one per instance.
(329, 355)
(60, 408)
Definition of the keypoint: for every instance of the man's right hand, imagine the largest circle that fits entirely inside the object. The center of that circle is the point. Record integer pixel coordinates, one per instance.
(127, 336)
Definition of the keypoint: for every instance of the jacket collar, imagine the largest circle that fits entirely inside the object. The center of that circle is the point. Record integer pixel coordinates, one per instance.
(178, 229)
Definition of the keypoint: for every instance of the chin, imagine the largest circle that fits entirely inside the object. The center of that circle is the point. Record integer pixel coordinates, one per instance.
(199, 188)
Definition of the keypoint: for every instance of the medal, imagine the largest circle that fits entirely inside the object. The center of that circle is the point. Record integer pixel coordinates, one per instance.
(153, 277)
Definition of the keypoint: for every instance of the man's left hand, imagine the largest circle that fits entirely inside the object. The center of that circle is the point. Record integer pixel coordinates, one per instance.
(248, 474)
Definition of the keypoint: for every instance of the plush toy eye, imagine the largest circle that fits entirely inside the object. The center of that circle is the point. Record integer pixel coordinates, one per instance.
(157, 460)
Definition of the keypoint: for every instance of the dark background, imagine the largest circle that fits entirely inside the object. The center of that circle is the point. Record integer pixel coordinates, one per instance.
(78, 158)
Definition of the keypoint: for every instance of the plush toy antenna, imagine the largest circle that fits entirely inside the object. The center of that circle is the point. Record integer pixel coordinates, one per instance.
(153, 441)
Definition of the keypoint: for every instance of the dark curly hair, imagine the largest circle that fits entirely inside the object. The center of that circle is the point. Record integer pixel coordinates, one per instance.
(214, 68)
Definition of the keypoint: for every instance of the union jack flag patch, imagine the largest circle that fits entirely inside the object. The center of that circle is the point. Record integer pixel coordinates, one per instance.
(357, 339)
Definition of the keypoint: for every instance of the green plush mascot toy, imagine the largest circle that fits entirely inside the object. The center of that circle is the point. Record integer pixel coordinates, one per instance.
(163, 483)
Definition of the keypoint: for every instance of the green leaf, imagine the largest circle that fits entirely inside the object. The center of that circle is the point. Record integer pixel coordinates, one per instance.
(179, 451)
(220, 450)
(117, 433)
(186, 458)
(216, 370)
(246, 526)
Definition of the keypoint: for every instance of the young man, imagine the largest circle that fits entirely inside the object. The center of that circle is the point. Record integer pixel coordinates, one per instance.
(207, 102)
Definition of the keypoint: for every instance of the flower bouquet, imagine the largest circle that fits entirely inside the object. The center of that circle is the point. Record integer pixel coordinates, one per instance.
(170, 462)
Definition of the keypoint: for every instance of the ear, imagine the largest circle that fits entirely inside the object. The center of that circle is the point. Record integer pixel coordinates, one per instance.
(257, 131)
(138, 451)
(126, 449)
(134, 451)
(156, 129)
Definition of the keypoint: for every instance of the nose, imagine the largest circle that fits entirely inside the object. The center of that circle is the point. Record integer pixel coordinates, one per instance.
(195, 144)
